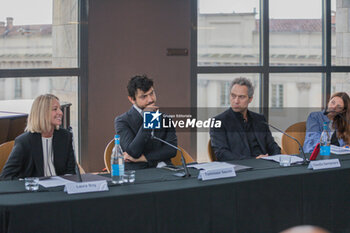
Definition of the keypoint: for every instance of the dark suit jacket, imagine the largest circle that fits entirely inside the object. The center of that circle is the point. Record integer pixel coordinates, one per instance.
(135, 140)
(26, 158)
(230, 141)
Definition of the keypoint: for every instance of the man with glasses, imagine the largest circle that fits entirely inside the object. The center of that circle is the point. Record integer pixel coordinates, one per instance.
(140, 150)
(243, 133)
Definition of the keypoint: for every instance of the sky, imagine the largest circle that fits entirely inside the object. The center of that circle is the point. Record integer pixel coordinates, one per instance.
(26, 11)
(40, 11)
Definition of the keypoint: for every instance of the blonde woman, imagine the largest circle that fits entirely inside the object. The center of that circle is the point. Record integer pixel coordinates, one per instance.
(43, 149)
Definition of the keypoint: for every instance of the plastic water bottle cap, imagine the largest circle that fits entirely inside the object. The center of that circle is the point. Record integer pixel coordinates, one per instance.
(116, 139)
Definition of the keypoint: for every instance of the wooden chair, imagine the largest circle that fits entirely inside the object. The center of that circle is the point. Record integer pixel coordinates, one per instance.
(5, 150)
(298, 131)
(4, 126)
(211, 153)
(175, 160)
(108, 154)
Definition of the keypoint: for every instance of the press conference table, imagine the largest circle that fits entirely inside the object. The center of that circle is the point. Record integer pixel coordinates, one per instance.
(266, 199)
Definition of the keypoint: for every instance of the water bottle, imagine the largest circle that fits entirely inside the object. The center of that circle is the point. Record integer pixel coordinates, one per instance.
(325, 142)
(117, 162)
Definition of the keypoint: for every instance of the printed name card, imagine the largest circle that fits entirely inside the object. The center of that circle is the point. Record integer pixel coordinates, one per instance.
(86, 187)
(324, 164)
(217, 173)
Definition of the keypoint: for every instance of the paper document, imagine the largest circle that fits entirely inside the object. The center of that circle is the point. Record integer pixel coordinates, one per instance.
(214, 170)
(54, 181)
(276, 158)
(212, 165)
(339, 150)
(86, 177)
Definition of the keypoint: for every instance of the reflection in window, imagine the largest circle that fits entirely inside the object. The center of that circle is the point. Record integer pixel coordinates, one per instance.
(225, 94)
(214, 89)
(20, 92)
(43, 36)
(18, 89)
(296, 38)
(340, 33)
(340, 82)
(277, 95)
(228, 33)
(30, 41)
(295, 32)
(34, 83)
(2, 88)
(301, 90)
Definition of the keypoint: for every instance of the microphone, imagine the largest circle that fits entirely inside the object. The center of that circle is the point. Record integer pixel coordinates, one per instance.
(338, 114)
(301, 150)
(326, 112)
(187, 174)
(77, 170)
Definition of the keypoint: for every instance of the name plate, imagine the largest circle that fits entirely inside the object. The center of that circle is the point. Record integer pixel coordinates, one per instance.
(86, 187)
(324, 164)
(211, 174)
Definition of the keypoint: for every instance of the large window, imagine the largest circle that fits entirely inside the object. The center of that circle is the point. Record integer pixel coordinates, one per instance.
(296, 52)
(226, 38)
(277, 95)
(38, 34)
(295, 32)
(340, 33)
(39, 54)
(214, 89)
(340, 82)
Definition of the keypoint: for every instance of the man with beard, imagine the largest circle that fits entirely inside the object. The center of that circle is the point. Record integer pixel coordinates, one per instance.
(140, 150)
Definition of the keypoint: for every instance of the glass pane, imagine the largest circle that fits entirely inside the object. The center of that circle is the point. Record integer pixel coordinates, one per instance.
(43, 37)
(292, 98)
(340, 82)
(340, 33)
(228, 33)
(213, 90)
(295, 32)
(17, 95)
(213, 98)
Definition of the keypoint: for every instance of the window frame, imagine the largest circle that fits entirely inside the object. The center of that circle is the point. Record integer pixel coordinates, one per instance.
(80, 72)
(265, 69)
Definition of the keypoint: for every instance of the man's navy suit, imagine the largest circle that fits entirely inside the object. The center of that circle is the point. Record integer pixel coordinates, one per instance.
(135, 140)
(230, 141)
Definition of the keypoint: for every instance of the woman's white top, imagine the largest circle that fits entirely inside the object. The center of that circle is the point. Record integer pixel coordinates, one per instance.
(49, 168)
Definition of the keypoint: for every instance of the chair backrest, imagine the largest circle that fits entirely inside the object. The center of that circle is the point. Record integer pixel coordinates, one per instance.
(298, 131)
(108, 154)
(211, 153)
(12, 127)
(5, 150)
(177, 159)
